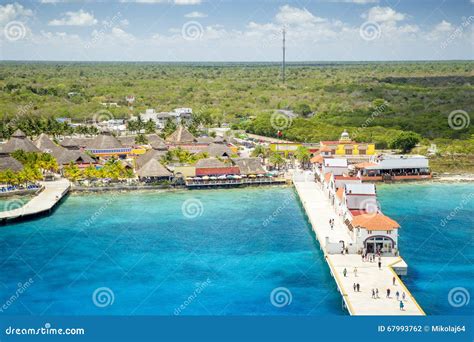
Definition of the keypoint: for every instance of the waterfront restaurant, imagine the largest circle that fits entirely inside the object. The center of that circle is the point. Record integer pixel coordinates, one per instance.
(214, 167)
(394, 167)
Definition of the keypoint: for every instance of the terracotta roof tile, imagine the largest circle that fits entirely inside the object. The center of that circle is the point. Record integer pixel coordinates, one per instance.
(376, 221)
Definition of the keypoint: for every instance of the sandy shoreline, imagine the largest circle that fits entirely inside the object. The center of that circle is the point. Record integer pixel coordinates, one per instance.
(454, 178)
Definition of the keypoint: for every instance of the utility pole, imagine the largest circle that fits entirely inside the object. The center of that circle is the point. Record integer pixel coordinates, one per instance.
(283, 63)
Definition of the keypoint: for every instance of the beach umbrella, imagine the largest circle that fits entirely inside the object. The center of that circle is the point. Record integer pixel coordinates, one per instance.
(237, 177)
(197, 178)
(252, 176)
(205, 178)
(230, 176)
(222, 177)
(213, 177)
(260, 175)
(189, 178)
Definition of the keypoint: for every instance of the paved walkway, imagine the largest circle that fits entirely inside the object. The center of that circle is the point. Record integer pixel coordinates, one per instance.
(44, 201)
(369, 276)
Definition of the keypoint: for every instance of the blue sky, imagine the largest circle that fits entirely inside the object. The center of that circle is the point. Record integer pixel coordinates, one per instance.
(200, 30)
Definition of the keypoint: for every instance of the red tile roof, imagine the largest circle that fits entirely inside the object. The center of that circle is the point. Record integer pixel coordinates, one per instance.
(210, 171)
(375, 222)
(327, 176)
(317, 159)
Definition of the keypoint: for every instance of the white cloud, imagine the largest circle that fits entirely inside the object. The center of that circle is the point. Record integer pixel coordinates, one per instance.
(383, 14)
(176, 2)
(443, 26)
(296, 16)
(359, 2)
(196, 14)
(187, 2)
(79, 18)
(14, 11)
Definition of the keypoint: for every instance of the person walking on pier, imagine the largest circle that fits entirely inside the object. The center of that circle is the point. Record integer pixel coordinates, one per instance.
(377, 293)
(344, 272)
(355, 271)
(393, 281)
(358, 287)
(403, 296)
(398, 295)
(373, 294)
(402, 306)
(354, 287)
(388, 293)
(380, 265)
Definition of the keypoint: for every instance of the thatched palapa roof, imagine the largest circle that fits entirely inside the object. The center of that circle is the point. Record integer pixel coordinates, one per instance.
(104, 142)
(153, 168)
(249, 166)
(10, 163)
(181, 136)
(210, 163)
(146, 157)
(218, 150)
(18, 141)
(62, 155)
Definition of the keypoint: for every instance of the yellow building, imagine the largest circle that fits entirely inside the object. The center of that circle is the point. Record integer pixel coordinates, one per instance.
(346, 147)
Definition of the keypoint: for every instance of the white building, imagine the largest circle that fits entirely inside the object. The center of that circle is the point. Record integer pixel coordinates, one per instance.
(178, 115)
(395, 166)
(336, 166)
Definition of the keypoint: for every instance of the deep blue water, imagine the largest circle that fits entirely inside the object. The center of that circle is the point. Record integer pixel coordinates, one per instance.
(152, 257)
(439, 252)
(243, 244)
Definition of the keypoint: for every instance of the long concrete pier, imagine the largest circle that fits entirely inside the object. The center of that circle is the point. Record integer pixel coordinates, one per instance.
(369, 276)
(51, 193)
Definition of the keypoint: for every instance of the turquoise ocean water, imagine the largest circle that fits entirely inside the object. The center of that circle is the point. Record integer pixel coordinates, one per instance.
(216, 252)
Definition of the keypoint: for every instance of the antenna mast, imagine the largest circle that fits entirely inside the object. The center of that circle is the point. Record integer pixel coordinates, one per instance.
(283, 63)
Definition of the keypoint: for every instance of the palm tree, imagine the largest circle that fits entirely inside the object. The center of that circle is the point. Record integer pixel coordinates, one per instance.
(302, 155)
(276, 160)
(261, 152)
